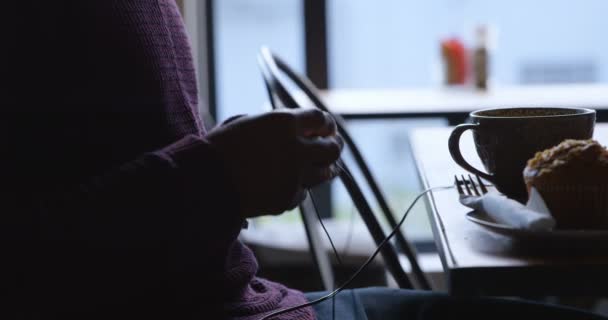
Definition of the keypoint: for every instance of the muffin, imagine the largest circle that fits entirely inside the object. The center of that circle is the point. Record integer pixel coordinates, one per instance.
(572, 178)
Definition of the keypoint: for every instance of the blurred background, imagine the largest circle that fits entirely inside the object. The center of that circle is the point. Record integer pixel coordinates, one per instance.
(388, 44)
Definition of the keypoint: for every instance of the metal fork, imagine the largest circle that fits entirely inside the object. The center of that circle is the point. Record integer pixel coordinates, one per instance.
(473, 186)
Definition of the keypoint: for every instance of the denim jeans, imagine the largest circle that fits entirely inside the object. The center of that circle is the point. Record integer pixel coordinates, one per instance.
(393, 304)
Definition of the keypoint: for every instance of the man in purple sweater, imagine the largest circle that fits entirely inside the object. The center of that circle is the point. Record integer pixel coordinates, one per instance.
(116, 202)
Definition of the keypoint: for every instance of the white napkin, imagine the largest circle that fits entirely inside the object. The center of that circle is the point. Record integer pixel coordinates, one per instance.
(533, 216)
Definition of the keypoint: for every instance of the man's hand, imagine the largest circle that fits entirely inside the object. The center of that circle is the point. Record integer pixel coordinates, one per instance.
(272, 158)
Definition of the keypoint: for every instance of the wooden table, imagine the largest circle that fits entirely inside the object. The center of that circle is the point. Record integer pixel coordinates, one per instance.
(479, 262)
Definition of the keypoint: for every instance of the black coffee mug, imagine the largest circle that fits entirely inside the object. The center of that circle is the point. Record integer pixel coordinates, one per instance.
(506, 138)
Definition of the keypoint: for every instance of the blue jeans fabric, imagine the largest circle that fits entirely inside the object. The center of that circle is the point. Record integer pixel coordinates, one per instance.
(393, 304)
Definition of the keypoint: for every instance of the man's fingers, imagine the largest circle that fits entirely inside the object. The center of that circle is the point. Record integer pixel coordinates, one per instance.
(284, 203)
(299, 196)
(321, 151)
(233, 118)
(313, 176)
(314, 122)
(319, 157)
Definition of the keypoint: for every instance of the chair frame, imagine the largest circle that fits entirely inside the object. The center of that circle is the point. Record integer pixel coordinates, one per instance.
(271, 67)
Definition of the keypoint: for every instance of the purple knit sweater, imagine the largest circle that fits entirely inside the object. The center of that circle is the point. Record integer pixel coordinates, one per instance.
(113, 203)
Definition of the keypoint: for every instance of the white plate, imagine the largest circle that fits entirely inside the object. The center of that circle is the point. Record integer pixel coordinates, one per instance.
(597, 238)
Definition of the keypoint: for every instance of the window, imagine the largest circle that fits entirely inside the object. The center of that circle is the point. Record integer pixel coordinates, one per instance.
(393, 43)
(241, 28)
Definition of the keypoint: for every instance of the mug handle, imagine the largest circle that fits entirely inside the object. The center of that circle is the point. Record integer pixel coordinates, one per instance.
(454, 147)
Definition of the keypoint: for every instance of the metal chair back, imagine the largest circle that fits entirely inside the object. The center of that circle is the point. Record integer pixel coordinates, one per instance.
(273, 68)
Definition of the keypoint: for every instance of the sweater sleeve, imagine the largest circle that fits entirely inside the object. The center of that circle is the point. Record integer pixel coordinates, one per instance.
(161, 224)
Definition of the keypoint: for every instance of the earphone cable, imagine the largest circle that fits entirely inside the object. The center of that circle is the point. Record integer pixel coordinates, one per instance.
(365, 264)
